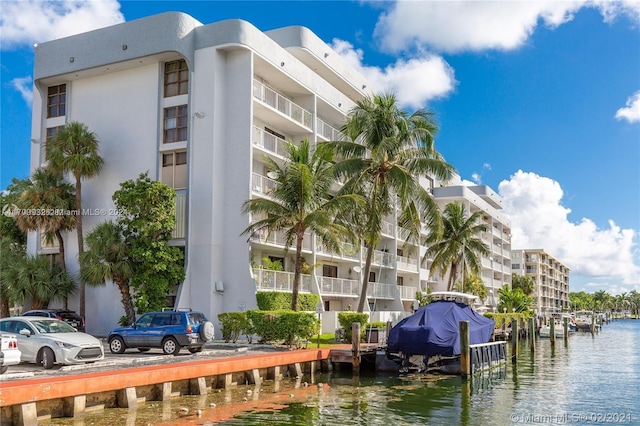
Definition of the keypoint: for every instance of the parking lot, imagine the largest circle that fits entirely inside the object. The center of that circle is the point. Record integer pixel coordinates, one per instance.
(132, 357)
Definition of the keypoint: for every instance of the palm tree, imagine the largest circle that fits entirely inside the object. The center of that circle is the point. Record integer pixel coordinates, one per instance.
(300, 202)
(39, 280)
(107, 260)
(49, 193)
(513, 300)
(74, 149)
(386, 152)
(523, 282)
(458, 246)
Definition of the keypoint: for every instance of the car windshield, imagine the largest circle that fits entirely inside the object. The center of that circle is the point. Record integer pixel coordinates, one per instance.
(52, 326)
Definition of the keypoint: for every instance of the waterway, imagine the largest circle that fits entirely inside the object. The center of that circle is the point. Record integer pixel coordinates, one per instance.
(590, 379)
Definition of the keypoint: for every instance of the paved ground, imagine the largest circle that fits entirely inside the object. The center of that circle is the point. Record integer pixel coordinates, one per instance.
(132, 357)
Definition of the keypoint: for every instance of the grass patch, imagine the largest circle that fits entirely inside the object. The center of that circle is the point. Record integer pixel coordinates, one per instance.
(326, 341)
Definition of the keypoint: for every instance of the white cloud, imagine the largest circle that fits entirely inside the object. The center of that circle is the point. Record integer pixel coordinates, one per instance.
(25, 87)
(414, 81)
(451, 26)
(539, 220)
(26, 22)
(631, 112)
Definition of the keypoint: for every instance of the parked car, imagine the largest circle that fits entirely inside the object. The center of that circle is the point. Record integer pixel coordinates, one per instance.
(49, 341)
(9, 352)
(70, 317)
(168, 330)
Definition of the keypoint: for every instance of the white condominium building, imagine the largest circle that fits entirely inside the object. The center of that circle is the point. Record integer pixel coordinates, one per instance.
(199, 107)
(550, 276)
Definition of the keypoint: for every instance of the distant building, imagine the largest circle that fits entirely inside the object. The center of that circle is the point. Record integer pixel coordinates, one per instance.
(199, 107)
(551, 278)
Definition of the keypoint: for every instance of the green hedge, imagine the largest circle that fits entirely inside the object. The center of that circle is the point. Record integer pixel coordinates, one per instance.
(283, 325)
(233, 325)
(346, 319)
(275, 300)
(499, 317)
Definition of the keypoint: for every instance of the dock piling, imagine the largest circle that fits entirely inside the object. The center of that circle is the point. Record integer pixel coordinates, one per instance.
(465, 360)
(355, 348)
(532, 334)
(514, 340)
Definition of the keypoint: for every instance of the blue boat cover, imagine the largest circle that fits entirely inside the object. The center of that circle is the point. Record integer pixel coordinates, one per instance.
(434, 330)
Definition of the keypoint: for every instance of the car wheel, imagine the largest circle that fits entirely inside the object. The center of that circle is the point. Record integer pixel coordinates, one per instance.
(144, 349)
(4, 369)
(170, 346)
(47, 358)
(207, 331)
(116, 345)
(195, 350)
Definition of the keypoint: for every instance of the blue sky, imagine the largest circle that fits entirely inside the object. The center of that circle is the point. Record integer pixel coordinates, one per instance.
(539, 100)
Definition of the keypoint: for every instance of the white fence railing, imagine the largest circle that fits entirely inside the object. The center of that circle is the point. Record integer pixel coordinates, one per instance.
(267, 280)
(282, 104)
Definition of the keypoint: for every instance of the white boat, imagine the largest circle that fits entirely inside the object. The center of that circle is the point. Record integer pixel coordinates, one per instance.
(584, 320)
(558, 324)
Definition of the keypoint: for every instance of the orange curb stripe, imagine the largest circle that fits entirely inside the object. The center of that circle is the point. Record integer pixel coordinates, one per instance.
(23, 391)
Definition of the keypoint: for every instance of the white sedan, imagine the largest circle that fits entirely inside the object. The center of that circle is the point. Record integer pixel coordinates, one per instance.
(49, 341)
(9, 352)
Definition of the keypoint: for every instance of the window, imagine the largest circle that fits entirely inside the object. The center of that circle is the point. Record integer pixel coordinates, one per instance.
(176, 78)
(56, 101)
(51, 133)
(175, 124)
(330, 271)
(400, 281)
(174, 169)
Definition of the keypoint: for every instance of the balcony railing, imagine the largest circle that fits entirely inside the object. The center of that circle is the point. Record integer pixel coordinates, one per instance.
(407, 263)
(267, 280)
(262, 184)
(268, 142)
(386, 228)
(282, 104)
(349, 251)
(339, 286)
(407, 292)
(381, 258)
(278, 239)
(381, 291)
(180, 227)
(328, 132)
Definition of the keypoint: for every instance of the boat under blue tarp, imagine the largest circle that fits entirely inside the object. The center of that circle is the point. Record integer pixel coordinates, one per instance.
(434, 330)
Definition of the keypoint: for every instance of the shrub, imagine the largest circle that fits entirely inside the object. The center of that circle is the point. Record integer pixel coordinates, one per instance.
(346, 319)
(283, 325)
(275, 300)
(233, 325)
(377, 324)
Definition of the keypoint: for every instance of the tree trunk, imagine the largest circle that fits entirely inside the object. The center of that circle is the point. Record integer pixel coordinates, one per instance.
(365, 278)
(296, 274)
(63, 265)
(80, 239)
(4, 307)
(127, 302)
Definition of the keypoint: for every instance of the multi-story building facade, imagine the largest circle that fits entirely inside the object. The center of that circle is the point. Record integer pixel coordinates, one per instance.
(550, 276)
(199, 107)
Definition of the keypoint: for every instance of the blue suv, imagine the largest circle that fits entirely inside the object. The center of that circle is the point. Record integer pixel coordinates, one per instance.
(168, 330)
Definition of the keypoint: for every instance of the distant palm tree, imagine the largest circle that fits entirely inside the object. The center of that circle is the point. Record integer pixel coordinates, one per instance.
(300, 202)
(74, 149)
(459, 247)
(523, 282)
(106, 259)
(46, 192)
(386, 152)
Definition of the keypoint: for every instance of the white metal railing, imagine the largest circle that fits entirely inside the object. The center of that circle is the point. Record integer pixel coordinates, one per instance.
(386, 228)
(328, 132)
(349, 251)
(381, 291)
(407, 263)
(339, 286)
(278, 238)
(268, 142)
(262, 184)
(282, 104)
(403, 233)
(381, 258)
(180, 227)
(407, 292)
(279, 280)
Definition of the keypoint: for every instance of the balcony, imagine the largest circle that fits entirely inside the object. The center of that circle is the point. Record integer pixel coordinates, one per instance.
(339, 287)
(386, 228)
(279, 239)
(268, 142)
(349, 251)
(407, 292)
(180, 227)
(283, 105)
(381, 291)
(328, 132)
(267, 280)
(407, 264)
(381, 258)
(262, 184)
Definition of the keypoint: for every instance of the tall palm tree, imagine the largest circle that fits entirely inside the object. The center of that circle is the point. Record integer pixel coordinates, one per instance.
(74, 149)
(106, 259)
(301, 201)
(459, 247)
(46, 192)
(386, 152)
